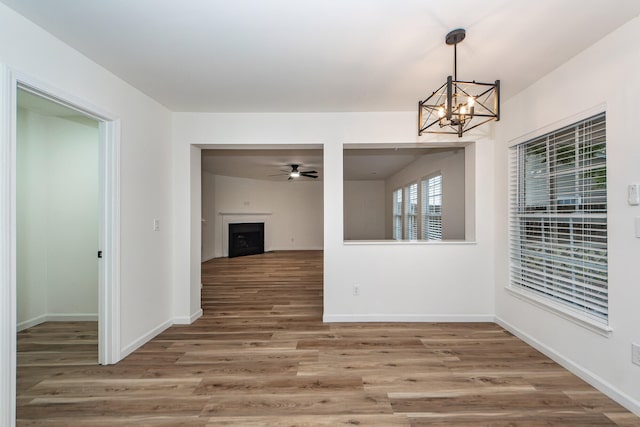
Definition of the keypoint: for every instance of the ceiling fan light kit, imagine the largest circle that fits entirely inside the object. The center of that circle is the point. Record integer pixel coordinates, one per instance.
(295, 173)
(458, 106)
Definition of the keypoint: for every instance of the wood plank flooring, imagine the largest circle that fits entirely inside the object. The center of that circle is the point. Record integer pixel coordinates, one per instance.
(261, 356)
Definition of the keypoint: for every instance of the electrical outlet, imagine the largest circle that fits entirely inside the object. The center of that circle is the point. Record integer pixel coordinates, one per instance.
(635, 353)
(356, 290)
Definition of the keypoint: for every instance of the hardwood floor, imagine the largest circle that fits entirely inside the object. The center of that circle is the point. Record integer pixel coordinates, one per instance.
(261, 356)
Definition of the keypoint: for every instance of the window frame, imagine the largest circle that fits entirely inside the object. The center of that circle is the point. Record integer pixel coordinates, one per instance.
(532, 204)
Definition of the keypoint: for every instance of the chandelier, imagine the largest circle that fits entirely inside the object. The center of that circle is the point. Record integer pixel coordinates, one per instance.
(458, 106)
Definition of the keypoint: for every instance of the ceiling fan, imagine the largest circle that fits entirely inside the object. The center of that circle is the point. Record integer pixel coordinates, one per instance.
(296, 173)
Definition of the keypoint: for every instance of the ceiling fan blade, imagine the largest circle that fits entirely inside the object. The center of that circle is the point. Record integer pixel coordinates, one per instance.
(279, 174)
(289, 179)
(310, 176)
(309, 172)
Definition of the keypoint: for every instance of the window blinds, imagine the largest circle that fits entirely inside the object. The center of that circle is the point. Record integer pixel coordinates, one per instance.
(558, 217)
(397, 214)
(432, 208)
(412, 212)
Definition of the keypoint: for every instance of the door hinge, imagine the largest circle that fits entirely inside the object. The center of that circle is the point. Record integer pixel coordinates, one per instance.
(99, 254)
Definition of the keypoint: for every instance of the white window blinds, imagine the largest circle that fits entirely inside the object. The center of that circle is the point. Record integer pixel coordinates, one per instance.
(558, 217)
(397, 214)
(432, 208)
(412, 212)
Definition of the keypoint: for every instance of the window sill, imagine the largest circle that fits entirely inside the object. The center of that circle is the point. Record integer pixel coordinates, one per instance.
(408, 242)
(562, 311)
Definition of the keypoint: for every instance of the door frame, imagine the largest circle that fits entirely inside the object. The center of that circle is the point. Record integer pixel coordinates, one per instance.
(108, 220)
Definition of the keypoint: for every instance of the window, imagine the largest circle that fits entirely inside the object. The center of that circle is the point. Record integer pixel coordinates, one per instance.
(411, 212)
(374, 210)
(558, 217)
(397, 214)
(432, 208)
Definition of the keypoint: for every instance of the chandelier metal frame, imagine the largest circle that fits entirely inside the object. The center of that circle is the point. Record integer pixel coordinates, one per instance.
(458, 106)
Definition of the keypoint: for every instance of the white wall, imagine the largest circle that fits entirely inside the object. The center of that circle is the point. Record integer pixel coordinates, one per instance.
(294, 207)
(364, 210)
(604, 77)
(208, 216)
(398, 280)
(145, 167)
(57, 219)
(452, 167)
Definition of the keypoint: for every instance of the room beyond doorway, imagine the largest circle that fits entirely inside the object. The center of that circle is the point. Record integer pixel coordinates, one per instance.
(57, 216)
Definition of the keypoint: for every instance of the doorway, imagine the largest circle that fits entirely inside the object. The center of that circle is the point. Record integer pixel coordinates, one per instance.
(108, 226)
(57, 225)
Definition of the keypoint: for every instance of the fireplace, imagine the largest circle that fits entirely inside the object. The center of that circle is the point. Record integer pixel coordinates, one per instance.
(246, 238)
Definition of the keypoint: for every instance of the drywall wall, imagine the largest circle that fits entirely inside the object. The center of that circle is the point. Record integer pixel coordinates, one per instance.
(144, 169)
(208, 198)
(293, 209)
(398, 280)
(586, 83)
(57, 219)
(364, 210)
(451, 165)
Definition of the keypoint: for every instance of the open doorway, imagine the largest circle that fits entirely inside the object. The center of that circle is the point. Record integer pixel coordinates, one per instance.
(256, 186)
(57, 240)
(280, 189)
(108, 334)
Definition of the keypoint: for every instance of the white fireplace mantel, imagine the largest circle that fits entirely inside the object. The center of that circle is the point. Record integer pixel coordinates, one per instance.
(243, 213)
(238, 217)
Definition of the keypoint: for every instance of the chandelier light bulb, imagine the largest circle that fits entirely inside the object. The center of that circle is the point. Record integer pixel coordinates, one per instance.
(441, 112)
(463, 110)
(471, 101)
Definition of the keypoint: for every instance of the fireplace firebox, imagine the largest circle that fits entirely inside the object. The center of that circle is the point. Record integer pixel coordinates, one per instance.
(246, 238)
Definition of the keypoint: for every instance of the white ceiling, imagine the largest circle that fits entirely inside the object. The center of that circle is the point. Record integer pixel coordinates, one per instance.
(321, 55)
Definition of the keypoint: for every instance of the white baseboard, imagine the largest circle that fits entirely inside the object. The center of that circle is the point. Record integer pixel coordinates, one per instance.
(30, 323)
(184, 320)
(144, 339)
(605, 387)
(80, 317)
(338, 318)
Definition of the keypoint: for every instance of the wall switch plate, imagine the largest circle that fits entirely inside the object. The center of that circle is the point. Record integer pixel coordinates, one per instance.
(635, 354)
(633, 194)
(356, 290)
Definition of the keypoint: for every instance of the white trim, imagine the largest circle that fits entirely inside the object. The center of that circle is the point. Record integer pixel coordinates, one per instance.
(184, 320)
(408, 242)
(109, 338)
(561, 310)
(551, 127)
(30, 323)
(244, 213)
(602, 385)
(7, 253)
(109, 220)
(421, 318)
(142, 340)
(79, 317)
(109, 289)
